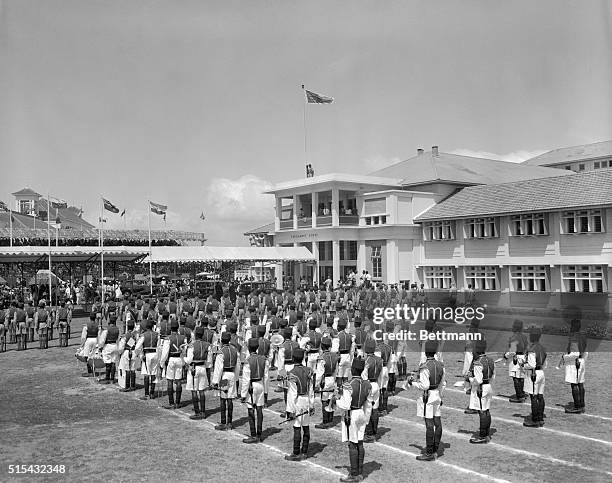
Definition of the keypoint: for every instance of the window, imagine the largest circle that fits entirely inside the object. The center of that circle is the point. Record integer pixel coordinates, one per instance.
(581, 167)
(583, 278)
(585, 221)
(596, 165)
(529, 278)
(26, 206)
(383, 220)
(377, 262)
(481, 278)
(439, 277)
(352, 250)
(568, 168)
(440, 230)
(528, 225)
(481, 228)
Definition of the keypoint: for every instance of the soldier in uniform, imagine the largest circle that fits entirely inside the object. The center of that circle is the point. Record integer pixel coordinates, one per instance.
(299, 404)
(432, 382)
(356, 402)
(2, 331)
(285, 357)
(64, 316)
(41, 320)
(198, 353)
(311, 342)
(172, 360)
(255, 385)
(127, 361)
(146, 348)
(468, 361)
(21, 328)
(534, 377)
(516, 351)
(575, 365)
(30, 311)
(480, 379)
(89, 339)
(210, 336)
(372, 372)
(325, 379)
(385, 352)
(360, 337)
(224, 378)
(108, 343)
(345, 348)
(9, 318)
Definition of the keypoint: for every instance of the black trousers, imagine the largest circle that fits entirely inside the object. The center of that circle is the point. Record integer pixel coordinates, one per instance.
(300, 444)
(485, 423)
(433, 434)
(356, 456)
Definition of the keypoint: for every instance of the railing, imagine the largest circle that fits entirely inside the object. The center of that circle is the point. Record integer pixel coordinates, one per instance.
(286, 224)
(305, 222)
(324, 220)
(348, 219)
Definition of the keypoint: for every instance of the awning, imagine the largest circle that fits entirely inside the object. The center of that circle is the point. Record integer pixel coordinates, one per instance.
(186, 254)
(29, 254)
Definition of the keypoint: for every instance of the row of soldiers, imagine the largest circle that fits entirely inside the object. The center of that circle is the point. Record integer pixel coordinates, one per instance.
(21, 321)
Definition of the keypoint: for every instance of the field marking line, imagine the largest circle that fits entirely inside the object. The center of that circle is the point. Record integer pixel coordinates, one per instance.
(408, 453)
(551, 459)
(184, 416)
(518, 423)
(605, 418)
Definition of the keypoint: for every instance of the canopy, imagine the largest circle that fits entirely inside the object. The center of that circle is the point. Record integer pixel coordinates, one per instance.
(187, 254)
(29, 254)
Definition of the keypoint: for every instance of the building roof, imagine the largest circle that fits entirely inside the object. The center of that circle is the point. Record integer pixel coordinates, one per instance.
(577, 190)
(330, 178)
(69, 216)
(26, 192)
(572, 154)
(71, 254)
(268, 228)
(464, 170)
(184, 254)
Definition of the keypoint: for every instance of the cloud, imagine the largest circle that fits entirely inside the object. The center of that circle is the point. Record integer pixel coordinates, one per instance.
(378, 161)
(513, 157)
(240, 199)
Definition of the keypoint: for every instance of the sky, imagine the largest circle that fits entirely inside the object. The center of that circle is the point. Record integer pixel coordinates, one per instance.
(198, 104)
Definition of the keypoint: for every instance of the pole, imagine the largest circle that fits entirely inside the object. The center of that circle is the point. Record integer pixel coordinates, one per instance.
(150, 262)
(11, 225)
(102, 245)
(49, 242)
(305, 131)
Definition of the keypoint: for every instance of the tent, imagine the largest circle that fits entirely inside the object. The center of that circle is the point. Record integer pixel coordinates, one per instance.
(42, 278)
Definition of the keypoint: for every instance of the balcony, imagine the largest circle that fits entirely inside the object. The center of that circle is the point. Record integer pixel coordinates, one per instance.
(305, 222)
(286, 224)
(348, 220)
(324, 220)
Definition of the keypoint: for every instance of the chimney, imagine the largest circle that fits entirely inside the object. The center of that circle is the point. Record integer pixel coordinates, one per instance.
(419, 151)
(434, 150)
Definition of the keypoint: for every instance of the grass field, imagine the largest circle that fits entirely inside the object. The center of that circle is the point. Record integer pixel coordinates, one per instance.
(52, 415)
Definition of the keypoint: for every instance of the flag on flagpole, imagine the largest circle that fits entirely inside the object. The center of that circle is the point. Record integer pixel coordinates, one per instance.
(57, 203)
(122, 213)
(313, 98)
(202, 217)
(158, 209)
(108, 206)
(101, 220)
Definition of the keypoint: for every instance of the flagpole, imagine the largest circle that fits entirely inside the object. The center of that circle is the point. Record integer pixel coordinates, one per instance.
(49, 242)
(102, 245)
(305, 131)
(10, 224)
(150, 262)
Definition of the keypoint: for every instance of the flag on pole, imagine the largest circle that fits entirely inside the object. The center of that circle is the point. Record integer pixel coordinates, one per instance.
(158, 209)
(57, 203)
(313, 98)
(108, 206)
(122, 213)
(202, 217)
(101, 220)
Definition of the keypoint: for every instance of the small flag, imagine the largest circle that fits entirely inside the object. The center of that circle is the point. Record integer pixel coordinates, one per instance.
(122, 213)
(109, 206)
(101, 220)
(313, 98)
(158, 209)
(57, 203)
(202, 217)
